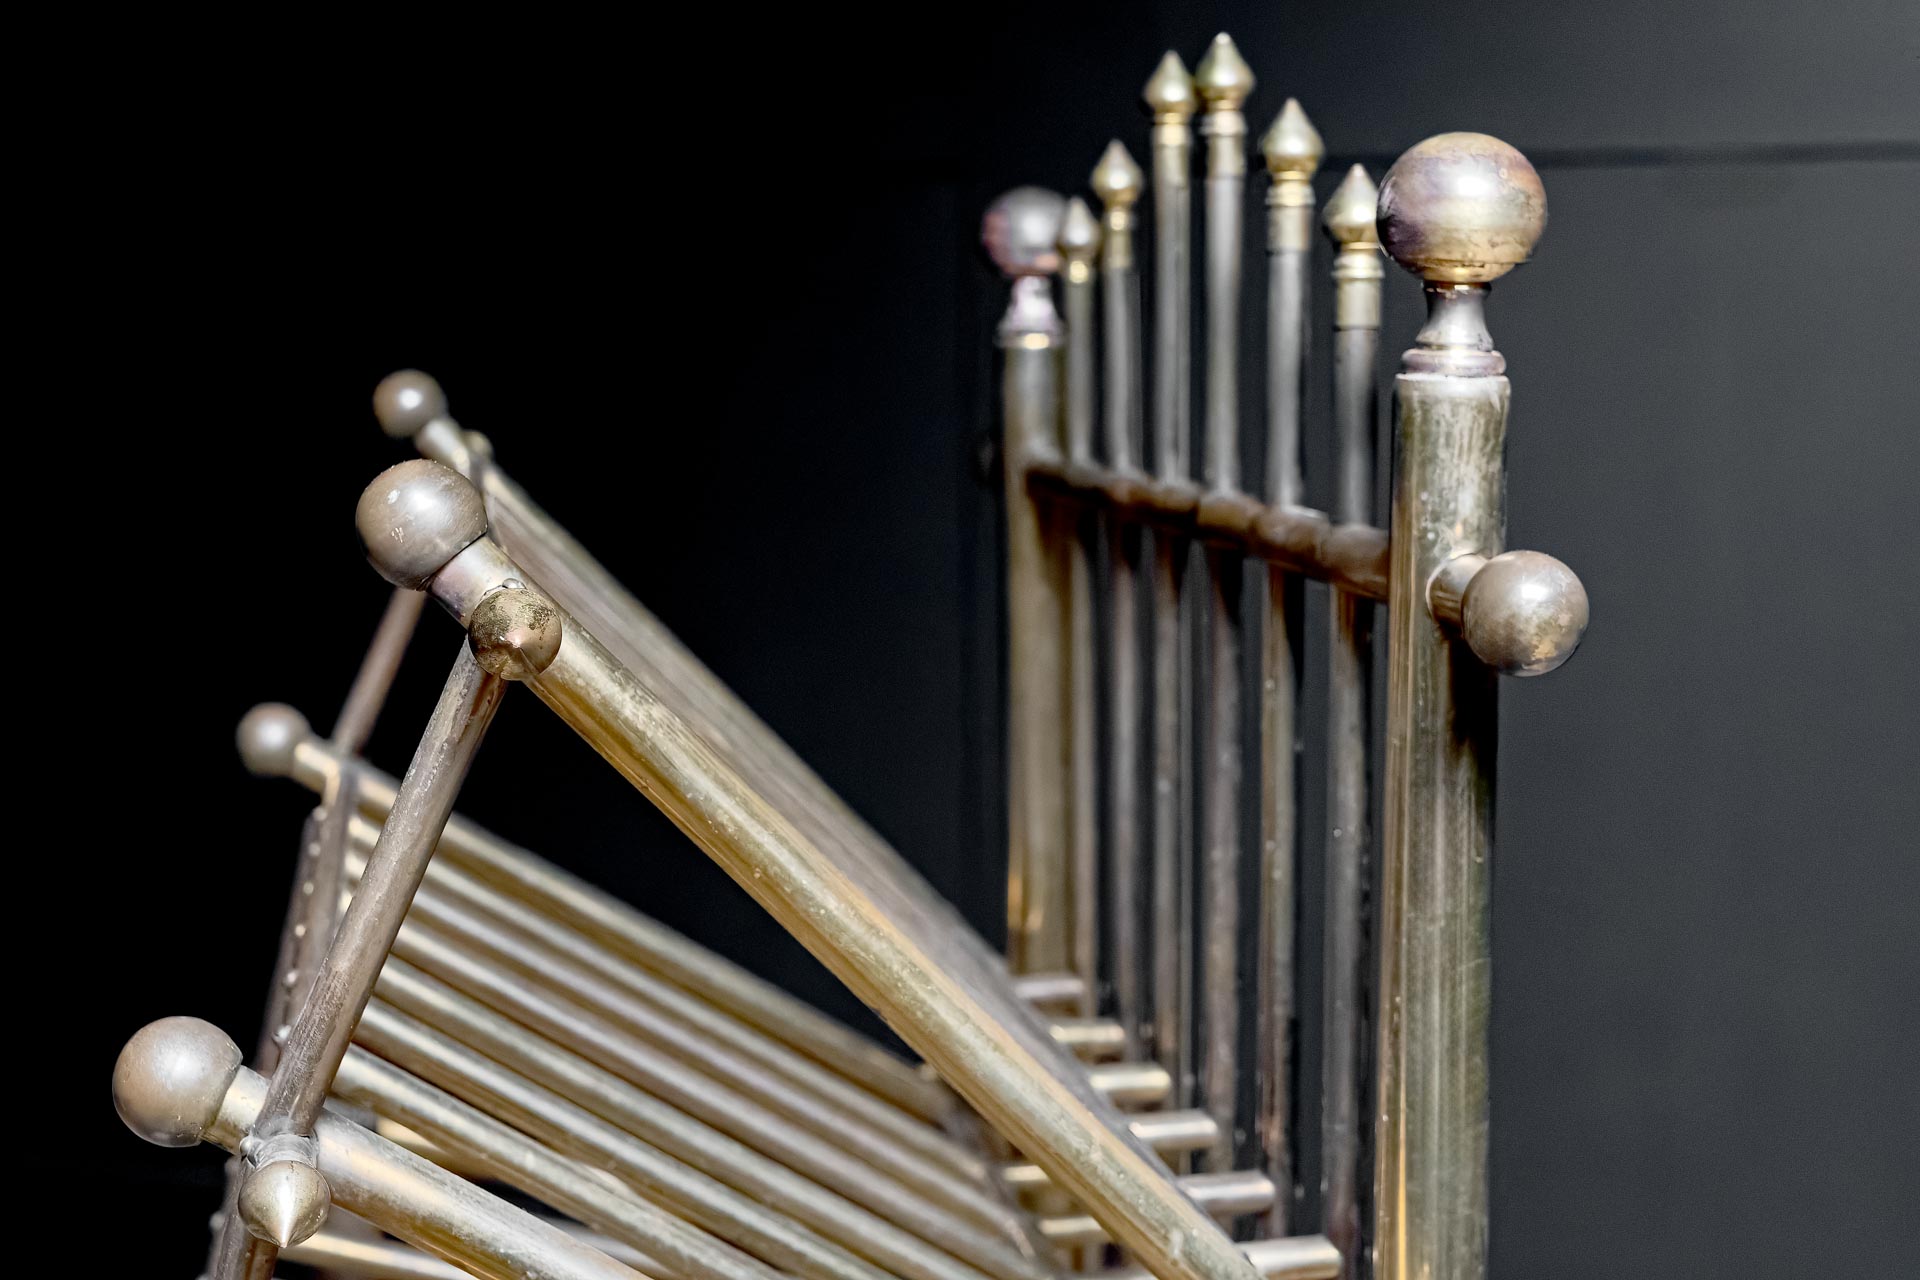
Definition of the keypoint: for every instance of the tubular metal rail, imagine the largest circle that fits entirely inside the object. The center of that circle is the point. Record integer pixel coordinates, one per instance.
(452, 1013)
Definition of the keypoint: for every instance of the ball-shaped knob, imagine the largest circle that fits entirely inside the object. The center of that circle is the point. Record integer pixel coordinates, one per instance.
(417, 516)
(1022, 231)
(268, 736)
(406, 401)
(515, 633)
(284, 1202)
(171, 1079)
(1523, 613)
(1461, 208)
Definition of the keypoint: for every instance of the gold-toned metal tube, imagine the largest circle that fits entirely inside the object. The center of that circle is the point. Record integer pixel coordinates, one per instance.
(546, 951)
(1079, 245)
(1460, 210)
(1170, 97)
(1169, 1131)
(1223, 1195)
(1090, 1039)
(1223, 81)
(1039, 664)
(1346, 1097)
(424, 1205)
(368, 694)
(344, 1255)
(1292, 150)
(598, 916)
(1287, 1258)
(1117, 180)
(560, 1071)
(512, 1158)
(1131, 1084)
(1051, 992)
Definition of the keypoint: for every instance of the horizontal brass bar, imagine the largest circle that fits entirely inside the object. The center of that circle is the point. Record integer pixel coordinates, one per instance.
(1091, 1039)
(1221, 1195)
(1051, 992)
(1131, 1084)
(1352, 557)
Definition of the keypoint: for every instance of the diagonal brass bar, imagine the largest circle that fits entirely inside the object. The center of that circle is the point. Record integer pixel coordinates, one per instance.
(1286, 1258)
(603, 1121)
(879, 927)
(519, 1162)
(727, 1110)
(546, 950)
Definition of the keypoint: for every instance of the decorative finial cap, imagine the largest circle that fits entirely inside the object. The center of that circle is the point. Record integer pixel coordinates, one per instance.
(1117, 179)
(1352, 208)
(172, 1077)
(1169, 92)
(1022, 231)
(1223, 79)
(515, 633)
(406, 401)
(267, 738)
(1461, 208)
(1292, 145)
(417, 516)
(1079, 232)
(284, 1202)
(1523, 613)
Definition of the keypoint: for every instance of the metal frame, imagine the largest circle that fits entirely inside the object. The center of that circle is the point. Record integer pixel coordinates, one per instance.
(494, 1018)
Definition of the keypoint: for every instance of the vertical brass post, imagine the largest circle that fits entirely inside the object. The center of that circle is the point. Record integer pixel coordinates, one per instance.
(1292, 150)
(1459, 210)
(1346, 1079)
(1171, 99)
(1223, 81)
(1079, 248)
(1117, 181)
(1022, 232)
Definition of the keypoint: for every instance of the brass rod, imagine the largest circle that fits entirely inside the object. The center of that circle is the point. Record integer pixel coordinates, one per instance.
(1292, 149)
(1231, 1194)
(344, 1255)
(1090, 1039)
(1346, 1098)
(1053, 992)
(371, 683)
(487, 1075)
(1223, 82)
(520, 1162)
(1287, 1258)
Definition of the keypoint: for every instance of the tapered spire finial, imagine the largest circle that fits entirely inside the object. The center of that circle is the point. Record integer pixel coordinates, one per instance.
(1117, 179)
(1223, 78)
(1291, 144)
(1169, 93)
(1351, 209)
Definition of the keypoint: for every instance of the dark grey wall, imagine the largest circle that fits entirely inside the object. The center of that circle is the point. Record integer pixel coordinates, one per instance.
(738, 267)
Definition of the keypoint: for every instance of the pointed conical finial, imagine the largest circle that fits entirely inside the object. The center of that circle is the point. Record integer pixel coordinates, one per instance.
(1079, 233)
(1169, 92)
(1291, 144)
(1223, 78)
(1461, 208)
(1117, 179)
(1351, 209)
(284, 1202)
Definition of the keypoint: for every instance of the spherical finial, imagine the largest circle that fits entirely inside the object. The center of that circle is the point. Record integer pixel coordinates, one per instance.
(1523, 613)
(1461, 208)
(515, 633)
(1169, 93)
(1117, 179)
(1352, 208)
(417, 516)
(406, 401)
(284, 1202)
(1291, 144)
(268, 736)
(1079, 232)
(1223, 79)
(1022, 231)
(171, 1079)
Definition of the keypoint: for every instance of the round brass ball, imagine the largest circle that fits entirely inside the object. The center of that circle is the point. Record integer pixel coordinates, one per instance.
(268, 736)
(417, 516)
(1461, 208)
(1022, 231)
(171, 1078)
(1523, 613)
(515, 634)
(406, 401)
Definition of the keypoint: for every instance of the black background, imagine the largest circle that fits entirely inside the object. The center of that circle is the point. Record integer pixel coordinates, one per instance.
(711, 285)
